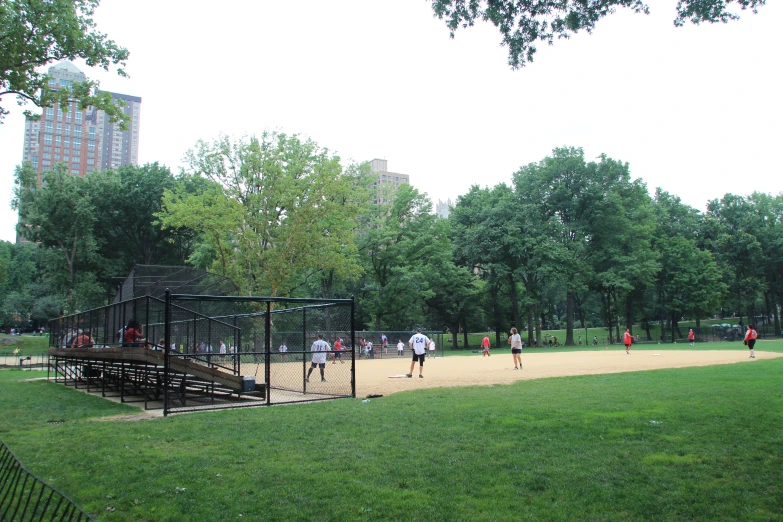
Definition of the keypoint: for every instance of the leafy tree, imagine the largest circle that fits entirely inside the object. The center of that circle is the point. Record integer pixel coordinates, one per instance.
(34, 33)
(737, 249)
(275, 206)
(60, 216)
(127, 201)
(690, 281)
(524, 23)
(396, 242)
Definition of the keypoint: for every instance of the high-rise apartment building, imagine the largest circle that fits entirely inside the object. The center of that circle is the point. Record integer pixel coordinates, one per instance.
(83, 140)
(386, 180)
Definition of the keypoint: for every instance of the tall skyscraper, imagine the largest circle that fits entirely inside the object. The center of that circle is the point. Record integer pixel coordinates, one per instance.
(84, 140)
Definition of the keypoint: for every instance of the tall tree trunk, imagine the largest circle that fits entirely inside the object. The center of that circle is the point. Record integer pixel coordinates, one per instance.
(629, 312)
(454, 333)
(774, 298)
(496, 312)
(465, 331)
(378, 321)
(530, 327)
(537, 326)
(515, 302)
(616, 317)
(569, 340)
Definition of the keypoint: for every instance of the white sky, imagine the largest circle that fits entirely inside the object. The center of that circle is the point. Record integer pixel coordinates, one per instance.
(695, 110)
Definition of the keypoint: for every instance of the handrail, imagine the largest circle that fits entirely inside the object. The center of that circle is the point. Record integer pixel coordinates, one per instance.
(23, 496)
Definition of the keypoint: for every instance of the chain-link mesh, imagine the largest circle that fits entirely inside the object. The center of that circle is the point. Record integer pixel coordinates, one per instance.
(220, 351)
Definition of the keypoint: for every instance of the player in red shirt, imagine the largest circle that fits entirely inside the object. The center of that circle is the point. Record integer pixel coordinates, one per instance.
(485, 345)
(691, 336)
(750, 340)
(627, 340)
(338, 351)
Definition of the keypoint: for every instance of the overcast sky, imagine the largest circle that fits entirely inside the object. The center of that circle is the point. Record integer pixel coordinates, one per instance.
(694, 110)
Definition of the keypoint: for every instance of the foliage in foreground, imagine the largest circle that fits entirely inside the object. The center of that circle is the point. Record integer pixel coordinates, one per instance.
(684, 444)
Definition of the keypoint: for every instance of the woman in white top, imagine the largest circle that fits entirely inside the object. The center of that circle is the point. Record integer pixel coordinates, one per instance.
(516, 348)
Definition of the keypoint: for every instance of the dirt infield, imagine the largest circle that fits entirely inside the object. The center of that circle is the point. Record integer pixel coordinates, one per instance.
(372, 377)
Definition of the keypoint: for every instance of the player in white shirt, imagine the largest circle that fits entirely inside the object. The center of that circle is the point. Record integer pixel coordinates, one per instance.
(400, 348)
(431, 346)
(418, 344)
(516, 348)
(319, 349)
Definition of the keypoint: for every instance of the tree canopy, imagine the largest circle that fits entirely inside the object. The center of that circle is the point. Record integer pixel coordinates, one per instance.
(36, 33)
(524, 23)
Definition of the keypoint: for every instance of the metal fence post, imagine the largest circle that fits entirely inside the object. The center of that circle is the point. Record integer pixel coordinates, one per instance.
(268, 351)
(353, 349)
(166, 351)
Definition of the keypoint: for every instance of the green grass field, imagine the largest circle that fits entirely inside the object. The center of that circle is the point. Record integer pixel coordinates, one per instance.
(684, 444)
(27, 344)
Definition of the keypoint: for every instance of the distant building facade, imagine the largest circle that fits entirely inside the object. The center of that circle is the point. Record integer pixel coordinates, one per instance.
(443, 208)
(386, 181)
(83, 140)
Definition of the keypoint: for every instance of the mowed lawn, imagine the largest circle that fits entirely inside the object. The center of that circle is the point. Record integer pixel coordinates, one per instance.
(686, 444)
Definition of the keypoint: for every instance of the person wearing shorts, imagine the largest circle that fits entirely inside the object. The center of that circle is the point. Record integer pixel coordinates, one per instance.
(627, 341)
(400, 348)
(418, 344)
(485, 345)
(338, 353)
(283, 349)
(516, 348)
(691, 336)
(431, 346)
(319, 349)
(750, 340)
(384, 343)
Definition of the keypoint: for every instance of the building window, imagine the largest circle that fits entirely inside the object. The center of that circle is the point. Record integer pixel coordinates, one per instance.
(78, 119)
(50, 112)
(77, 129)
(77, 143)
(90, 161)
(48, 149)
(92, 133)
(66, 141)
(56, 157)
(91, 145)
(35, 163)
(59, 128)
(57, 141)
(75, 165)
(75, 171)
(67, 128)
(46, 155)
(89, 168)
(49, 126)
(46, 163)
(47, 139)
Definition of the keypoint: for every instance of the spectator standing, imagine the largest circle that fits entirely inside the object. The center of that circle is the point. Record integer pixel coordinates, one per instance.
(400, 348)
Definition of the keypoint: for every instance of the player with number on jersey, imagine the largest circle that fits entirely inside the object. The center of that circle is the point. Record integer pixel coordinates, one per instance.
(418, 344)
